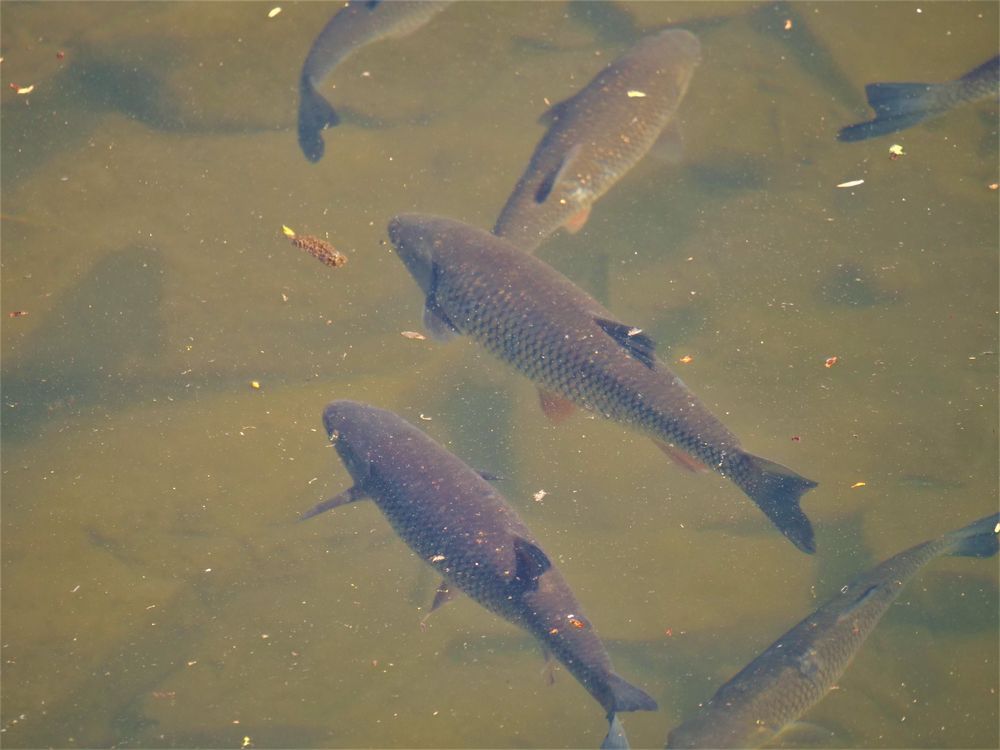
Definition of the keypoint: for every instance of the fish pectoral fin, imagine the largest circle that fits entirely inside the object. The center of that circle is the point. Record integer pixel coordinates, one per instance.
(531, 563)
(350, 495)
(859, 601)
(575, 222)
(489, 476)
(669, 146)
(804, 734)
(436, 322)
(555, 407)
(632, 340)
(681, 457)
(444, 594)
(556, 175)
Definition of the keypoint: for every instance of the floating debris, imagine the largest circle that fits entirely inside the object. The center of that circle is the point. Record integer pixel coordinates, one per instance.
(895, 151)
(830, 362)
(633, 94)
(255, 385)
(686, 359)
(538, 496)
(17, 314)
(321, 250)
(851, 183)
(274, 11)
(412, 335)
(858, 484)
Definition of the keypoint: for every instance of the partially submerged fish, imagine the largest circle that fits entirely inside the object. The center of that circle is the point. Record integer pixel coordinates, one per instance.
(355, 25)
(798, 669)
(901, 105)
(459, 524)
(597, 135)
(537, 320)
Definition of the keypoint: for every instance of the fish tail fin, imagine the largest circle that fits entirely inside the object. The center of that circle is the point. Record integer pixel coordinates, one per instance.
(897, 106)
(624, 696)
(777, 490)
(978, 539)
(315, 114)
(616, 738)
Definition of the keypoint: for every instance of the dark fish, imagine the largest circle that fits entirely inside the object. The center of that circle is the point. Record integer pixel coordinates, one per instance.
(457, 522)
(901, 105)
(534, 318)
(798, 669)
(597, 135)
(355, 25)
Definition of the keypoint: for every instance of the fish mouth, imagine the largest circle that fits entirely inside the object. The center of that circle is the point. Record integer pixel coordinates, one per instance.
(414, 244)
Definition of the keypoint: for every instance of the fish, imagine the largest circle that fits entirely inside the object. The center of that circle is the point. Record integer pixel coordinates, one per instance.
(597, 135)
(357, 24)
(454, 519)
(797, 670)
(902, 105)
(535, 319)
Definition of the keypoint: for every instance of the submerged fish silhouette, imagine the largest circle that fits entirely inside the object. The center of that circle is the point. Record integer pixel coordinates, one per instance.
(355, 25)
(459, 524)
(597, 135)
(798, 669)
(901, 105)
(537, 320)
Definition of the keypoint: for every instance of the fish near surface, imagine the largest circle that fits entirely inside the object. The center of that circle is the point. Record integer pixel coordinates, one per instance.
(459, 524)
(901, 105)
(534, 318)
(597, 135)
(356, 24)
(798, 669)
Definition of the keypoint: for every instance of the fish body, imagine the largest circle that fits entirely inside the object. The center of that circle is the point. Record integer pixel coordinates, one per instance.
(463, 528)
(901, 105)
(798, 669)
(355, 25)
(597, 135)
(534, 318)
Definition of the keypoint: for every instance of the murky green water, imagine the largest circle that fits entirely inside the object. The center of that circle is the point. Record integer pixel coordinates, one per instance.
(156, 588)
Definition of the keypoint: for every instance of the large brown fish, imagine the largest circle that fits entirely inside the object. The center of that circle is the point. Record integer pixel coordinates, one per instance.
(798, 669)
(597, 135)
(533, 317)
(356, 24)
(463, 528)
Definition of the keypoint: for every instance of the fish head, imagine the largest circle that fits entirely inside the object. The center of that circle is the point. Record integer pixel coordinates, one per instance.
(354, 429)
(416, 241)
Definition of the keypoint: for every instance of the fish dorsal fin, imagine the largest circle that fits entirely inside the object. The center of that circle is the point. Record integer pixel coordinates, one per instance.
(632, 339)
(350, 495)
(444, 594)
(557, 174)
(531, 563)
(860, 600)
(556, 112)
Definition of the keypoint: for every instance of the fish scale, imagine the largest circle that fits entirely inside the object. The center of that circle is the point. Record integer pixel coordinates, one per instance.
(534, 318)
(599, 134)
(461, 526)
(798, 669)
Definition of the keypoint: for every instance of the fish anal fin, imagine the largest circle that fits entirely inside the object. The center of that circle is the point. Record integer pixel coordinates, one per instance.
(350, 495)
(632, 339)
(557, 174)
(557, 408)
(681, 457)
(575, 222)
(556, 112)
